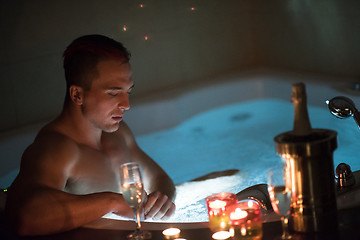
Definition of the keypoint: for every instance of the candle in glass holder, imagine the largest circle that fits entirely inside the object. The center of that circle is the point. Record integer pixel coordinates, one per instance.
(218, 205)
(245, 219)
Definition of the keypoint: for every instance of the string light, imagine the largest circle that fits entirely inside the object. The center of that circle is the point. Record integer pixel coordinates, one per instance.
(193, 10)
(124, 27)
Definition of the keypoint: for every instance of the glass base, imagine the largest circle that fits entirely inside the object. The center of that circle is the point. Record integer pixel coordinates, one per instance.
(285, 228)
(139, 235)
(284, 236)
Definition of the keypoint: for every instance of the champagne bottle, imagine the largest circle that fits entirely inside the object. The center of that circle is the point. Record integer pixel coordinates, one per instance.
(302, 126)
(309, 168)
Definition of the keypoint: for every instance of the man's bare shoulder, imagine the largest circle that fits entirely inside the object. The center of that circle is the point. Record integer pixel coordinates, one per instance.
(50, 144)
(51, 137)
(48, 161)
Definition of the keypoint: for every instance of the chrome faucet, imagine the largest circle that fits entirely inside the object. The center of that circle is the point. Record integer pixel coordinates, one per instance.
(343, 107)
(344, 176)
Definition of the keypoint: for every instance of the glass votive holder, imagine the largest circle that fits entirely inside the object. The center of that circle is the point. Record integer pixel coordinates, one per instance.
(245, 220)
(218, 205)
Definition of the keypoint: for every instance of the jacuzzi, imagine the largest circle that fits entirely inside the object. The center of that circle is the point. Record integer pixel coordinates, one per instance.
(180, 129)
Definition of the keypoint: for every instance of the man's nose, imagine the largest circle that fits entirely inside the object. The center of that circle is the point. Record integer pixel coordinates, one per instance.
(124, 102)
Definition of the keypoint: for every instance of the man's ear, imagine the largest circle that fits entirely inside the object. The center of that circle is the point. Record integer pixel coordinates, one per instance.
(76, 94)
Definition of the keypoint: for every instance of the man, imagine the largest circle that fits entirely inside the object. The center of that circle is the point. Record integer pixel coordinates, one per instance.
(69, 175)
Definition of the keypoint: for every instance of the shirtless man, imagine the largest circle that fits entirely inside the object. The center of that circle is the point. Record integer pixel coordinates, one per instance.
(69, 175)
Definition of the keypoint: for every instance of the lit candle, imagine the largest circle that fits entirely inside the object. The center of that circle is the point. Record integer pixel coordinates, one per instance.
(171, 233)
(217, 208)
(221, 235)
(245, 218)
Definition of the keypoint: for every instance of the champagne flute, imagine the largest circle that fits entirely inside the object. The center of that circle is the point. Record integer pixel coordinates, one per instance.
(280, 196)
(133, 191)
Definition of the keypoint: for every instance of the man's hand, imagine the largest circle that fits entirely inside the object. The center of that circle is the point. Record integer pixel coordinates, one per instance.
(158, 206)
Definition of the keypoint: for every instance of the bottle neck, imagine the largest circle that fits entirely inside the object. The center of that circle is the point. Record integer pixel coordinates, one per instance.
(302, 126)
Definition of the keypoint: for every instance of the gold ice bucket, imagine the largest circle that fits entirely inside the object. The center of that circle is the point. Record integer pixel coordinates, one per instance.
(309, 160)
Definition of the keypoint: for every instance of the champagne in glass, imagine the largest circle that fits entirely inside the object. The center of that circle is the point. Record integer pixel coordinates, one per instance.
(280, 196)
(133, 191)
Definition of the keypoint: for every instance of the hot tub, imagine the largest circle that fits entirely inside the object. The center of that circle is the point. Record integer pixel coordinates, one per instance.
(225, 123)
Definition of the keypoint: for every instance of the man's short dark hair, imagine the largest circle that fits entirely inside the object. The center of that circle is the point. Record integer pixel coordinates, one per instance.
(84, 53)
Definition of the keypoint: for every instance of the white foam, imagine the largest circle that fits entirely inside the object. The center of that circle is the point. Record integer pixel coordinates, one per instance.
(190, 199)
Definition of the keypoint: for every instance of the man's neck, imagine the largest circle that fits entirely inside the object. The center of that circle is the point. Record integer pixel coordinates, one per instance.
(73, 124)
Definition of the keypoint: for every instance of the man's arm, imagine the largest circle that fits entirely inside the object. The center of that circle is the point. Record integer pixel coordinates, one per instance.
(155, 178)
(47, 211)
(36, 203)
(159, 204)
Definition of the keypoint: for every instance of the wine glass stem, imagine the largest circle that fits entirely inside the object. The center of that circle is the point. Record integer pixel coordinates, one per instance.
(137, 218)
(285, 227)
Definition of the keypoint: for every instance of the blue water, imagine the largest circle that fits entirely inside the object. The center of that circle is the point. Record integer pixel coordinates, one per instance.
(238, 136)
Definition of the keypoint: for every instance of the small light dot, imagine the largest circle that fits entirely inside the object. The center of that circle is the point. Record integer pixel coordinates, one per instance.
(124, 28)
(193, 10)
(146, 37)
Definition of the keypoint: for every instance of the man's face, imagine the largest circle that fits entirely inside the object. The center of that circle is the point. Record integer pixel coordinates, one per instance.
(108, 98)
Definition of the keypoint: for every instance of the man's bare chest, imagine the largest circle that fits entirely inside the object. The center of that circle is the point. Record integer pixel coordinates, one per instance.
(96, 171)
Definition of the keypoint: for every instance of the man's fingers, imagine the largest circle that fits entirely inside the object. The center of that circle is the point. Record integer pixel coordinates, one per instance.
(159, 206)
(151, 199)
(157, 202)
(166, 211)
